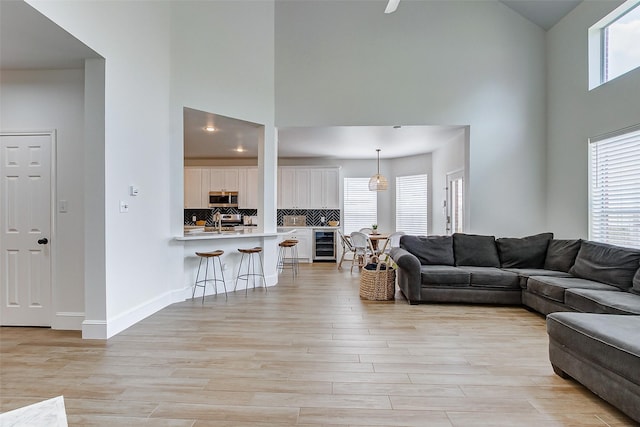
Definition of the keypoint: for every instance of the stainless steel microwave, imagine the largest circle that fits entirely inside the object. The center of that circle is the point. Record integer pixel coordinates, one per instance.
(223, 199)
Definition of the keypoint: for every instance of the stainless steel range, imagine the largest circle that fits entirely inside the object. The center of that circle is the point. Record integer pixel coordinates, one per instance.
(231, 222)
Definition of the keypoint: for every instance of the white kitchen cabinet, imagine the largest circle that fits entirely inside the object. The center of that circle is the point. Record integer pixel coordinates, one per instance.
(304, 238)
(293, 188)
(223, 179)
(324, 188)
(196, 188)
(248, 188)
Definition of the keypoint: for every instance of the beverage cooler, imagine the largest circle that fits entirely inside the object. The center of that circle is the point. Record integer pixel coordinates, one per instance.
(324, 245)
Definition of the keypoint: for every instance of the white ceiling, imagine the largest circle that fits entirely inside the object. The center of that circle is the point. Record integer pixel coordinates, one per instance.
(29, 40)
(545, 13)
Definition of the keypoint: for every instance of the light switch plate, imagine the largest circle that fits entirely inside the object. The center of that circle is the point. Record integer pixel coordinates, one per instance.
(124, 206)
(63, 206)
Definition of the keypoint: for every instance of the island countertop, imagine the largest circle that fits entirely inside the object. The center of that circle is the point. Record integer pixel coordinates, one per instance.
(215, 235)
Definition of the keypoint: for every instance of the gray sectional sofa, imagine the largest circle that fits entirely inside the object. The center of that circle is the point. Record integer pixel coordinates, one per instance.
(590, 292)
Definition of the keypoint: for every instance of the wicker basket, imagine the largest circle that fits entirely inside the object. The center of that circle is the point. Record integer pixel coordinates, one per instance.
(378, 284)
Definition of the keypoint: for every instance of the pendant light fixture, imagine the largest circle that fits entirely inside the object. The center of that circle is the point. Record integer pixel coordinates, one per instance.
(377, 181)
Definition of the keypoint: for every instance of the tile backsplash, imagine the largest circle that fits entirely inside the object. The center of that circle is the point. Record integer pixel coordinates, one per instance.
(207, 214)
(313, 216)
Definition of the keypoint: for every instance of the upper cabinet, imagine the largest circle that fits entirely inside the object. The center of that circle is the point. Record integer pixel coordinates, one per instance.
(199, 181)
(248, 188)
(324, 188)
(223, 179)
(196, 184)
(308, 188)
(293, 188)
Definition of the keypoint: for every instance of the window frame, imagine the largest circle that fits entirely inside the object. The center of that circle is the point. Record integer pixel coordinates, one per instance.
(597, 40)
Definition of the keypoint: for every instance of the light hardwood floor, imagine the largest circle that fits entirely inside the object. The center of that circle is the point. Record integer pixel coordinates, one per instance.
(309, 353)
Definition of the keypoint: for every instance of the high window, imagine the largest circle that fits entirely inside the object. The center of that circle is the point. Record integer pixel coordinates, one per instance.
(360, 205)
(614, 44)
(412, 204)
(614, 192)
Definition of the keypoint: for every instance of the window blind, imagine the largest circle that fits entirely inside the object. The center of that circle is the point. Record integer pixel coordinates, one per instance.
(360, 205)
(614, 213)
(412, 204)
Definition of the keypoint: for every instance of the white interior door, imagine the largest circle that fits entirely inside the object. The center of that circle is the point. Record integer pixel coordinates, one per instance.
(455, 202)
(25, 218)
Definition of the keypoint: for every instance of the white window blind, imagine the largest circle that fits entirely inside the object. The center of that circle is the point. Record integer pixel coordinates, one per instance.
(614, 215)
(360, 205)
(412, 204)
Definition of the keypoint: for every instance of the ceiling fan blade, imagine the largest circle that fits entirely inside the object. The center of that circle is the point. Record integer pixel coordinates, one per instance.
(392, 6)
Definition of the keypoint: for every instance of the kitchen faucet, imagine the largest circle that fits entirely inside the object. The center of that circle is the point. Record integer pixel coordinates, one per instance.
(217, 221)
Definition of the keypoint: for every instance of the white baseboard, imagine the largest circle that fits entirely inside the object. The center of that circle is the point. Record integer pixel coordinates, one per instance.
(68, 321)
(99, 329)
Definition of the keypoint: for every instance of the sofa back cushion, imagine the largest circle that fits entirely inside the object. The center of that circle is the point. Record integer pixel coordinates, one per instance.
(613, 265)
(430, 250)
(525, 252)
(561, 254)
(475, 250)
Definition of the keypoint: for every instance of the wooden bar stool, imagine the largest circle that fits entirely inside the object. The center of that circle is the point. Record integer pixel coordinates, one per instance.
(251, 254)
(292, 262)
(206, 256)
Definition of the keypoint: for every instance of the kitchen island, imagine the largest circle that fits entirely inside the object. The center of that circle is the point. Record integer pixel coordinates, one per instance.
(229, 241)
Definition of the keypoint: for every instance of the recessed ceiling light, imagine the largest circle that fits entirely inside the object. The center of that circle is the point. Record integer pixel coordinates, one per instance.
(210, 129)
(240, 150)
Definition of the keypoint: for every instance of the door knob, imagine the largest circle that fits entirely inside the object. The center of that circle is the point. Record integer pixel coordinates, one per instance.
(43, 241)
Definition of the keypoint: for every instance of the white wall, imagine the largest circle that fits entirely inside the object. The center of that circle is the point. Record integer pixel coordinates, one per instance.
(138, 257)
(222, 61)
(36, 100)
(214, 56)
(474, 63)
(449, 157)
(575, 114)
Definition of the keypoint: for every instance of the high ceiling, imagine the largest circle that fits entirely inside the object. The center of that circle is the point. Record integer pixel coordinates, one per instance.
(545, 13)
(29, 40)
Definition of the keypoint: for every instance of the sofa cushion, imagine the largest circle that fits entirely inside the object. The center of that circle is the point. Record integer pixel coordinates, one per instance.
(430, 250)
(613, 265)
(525, 273)
(636, 283)
(443, 275)
(492, 277)
(606, 340)
(554, 288)
(561, 254)
(475, 250)
(606, 302)
(525, 252)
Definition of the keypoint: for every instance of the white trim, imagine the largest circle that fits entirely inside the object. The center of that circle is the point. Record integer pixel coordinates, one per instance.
(94, 330)
(68, 321)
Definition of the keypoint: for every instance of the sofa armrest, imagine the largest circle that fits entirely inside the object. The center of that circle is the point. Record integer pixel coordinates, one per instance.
(409, 277)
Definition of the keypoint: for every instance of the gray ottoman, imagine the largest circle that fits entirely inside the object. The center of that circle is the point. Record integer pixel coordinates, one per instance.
(600, 351)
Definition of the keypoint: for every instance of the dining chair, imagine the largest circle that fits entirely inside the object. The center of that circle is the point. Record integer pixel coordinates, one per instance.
(393, 241)
(363, 249)
(347, 247)
(366, 230)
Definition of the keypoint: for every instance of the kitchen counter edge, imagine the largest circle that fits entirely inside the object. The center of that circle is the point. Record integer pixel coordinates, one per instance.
(230, 235)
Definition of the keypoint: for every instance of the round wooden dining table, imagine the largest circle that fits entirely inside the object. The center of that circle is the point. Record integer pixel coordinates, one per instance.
(375, 238)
